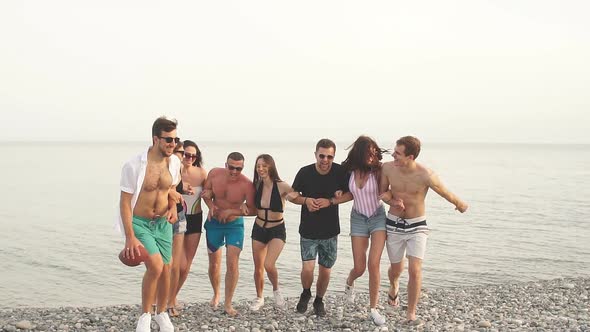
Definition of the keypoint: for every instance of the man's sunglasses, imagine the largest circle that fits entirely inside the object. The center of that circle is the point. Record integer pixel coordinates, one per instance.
(324, 156)
(170, 139)
(233, 168)
(190, 156)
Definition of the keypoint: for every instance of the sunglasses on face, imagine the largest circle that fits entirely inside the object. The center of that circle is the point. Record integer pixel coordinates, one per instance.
(324, 156)
(190, 156)
(233, 168)
(170, 139)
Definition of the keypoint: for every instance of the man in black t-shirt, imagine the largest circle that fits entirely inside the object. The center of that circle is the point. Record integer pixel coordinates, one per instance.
(320, 225)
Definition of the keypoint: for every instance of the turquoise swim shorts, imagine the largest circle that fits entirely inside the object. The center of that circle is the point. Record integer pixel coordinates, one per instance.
(155, 235)
(230, 234)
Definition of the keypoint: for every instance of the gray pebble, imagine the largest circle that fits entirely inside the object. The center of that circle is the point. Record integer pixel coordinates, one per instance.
(485, 324)
(24, 325)
(551, 305)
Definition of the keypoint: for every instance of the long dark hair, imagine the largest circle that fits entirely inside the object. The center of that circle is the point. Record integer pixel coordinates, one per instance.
(272, 169)
(359, 153)
(199, 160)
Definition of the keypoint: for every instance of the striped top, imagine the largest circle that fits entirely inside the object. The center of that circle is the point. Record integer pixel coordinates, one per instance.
(366, 199)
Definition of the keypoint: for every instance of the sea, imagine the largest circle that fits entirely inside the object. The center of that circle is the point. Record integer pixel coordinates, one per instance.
(528, 219)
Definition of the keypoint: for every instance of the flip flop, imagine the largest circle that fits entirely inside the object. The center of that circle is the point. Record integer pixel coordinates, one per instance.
(393, 300)
(172, 312)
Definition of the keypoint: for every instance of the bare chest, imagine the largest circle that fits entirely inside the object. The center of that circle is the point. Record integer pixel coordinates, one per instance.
(157, 177)
(265, 197)
(192, 176)
(228, 192)
(409, 184)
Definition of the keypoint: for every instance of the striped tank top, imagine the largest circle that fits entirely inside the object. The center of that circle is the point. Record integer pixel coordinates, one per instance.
(366, 199)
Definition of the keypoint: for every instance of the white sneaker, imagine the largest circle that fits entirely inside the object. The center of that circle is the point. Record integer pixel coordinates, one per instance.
(164, 322)
(349, 293)
(257, 304)
(376, 317)
(279, 300)
(144, 323)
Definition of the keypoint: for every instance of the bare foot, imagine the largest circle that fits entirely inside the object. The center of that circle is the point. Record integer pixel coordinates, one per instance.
(214, 303)
(230, 311)
(416, 322)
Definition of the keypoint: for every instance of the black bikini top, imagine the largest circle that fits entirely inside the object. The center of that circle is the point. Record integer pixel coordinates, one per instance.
(276, 204)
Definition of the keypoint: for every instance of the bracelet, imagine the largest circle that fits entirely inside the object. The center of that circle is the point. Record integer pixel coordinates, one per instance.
(304, 200)
(332, 201)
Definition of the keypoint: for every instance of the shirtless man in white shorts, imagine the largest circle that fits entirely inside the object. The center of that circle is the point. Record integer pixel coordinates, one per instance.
(405, 184)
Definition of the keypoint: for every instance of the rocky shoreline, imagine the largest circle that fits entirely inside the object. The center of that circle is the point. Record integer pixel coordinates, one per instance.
(559, 304)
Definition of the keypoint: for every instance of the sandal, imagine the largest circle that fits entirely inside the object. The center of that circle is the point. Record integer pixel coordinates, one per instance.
(172, 312)
(393, 300)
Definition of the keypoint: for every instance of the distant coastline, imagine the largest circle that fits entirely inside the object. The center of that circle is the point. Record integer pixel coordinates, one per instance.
(276, 141)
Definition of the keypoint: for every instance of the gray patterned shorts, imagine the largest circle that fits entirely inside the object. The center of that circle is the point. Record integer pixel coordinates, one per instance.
(324, 249)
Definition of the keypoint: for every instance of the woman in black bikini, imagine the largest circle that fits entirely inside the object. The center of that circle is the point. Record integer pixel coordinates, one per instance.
(268, 232)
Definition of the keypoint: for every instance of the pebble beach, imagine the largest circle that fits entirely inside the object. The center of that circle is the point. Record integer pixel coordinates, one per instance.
(552, 305)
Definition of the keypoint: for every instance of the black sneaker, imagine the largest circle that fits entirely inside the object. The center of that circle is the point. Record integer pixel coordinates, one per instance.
(303, 301)
(318, 308)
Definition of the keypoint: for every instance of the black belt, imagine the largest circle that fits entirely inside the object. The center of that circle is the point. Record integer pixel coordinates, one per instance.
(264, 221)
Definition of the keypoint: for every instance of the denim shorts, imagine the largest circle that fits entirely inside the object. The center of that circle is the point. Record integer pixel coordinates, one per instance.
(179, 227)
(361, 225)
(324, 249)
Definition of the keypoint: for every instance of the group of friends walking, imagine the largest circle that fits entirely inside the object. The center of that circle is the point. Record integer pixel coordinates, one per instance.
(160, 208)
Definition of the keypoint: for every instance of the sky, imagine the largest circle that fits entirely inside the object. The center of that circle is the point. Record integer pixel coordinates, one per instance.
(444, 71)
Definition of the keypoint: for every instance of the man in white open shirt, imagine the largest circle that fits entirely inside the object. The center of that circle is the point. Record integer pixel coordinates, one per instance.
(148, 209)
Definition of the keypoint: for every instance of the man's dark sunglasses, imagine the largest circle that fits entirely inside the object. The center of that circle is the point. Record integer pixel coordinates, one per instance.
(170, 139)
(232, 168)
(324, 156)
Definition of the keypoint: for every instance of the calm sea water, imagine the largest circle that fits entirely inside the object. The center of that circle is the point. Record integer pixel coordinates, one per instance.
(528, 220)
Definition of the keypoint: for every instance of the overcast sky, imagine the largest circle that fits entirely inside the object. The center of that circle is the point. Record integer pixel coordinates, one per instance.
(445, 71)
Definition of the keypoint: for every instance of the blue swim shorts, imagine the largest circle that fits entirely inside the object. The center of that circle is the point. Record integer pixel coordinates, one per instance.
(229, 234)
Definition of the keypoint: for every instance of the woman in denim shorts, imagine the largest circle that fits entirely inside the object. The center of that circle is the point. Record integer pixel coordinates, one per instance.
(367, 218)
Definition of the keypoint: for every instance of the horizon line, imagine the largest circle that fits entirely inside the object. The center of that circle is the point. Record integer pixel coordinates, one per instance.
(298, 141)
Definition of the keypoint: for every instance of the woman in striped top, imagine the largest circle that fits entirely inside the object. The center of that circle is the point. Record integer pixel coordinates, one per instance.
(367, 218)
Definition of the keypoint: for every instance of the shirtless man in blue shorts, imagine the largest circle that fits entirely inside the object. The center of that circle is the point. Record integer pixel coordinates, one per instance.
(225, 191)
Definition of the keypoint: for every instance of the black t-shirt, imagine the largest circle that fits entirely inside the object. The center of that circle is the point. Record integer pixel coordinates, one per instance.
(325, 223)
